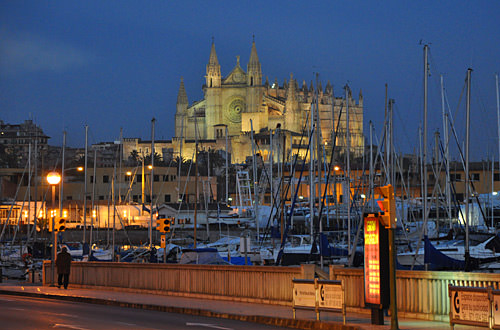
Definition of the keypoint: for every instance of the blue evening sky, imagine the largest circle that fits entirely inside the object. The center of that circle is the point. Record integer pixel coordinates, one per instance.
(112, 64)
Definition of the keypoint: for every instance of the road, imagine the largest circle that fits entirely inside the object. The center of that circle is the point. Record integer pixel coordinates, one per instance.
(38, 313)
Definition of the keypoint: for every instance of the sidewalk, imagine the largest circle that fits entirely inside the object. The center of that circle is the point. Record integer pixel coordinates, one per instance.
(260, 313)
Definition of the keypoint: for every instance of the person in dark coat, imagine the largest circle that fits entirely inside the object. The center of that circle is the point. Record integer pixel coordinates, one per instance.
(63, 263)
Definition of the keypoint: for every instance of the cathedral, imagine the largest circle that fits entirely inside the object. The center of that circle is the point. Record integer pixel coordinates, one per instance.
(240, 102)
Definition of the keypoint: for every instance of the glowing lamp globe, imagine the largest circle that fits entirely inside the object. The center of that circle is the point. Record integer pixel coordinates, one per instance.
(53, 178)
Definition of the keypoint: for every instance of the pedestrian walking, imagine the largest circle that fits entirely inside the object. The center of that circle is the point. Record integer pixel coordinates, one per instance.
(63, 263)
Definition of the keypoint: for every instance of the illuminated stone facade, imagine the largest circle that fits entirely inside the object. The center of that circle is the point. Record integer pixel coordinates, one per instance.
(241, 101)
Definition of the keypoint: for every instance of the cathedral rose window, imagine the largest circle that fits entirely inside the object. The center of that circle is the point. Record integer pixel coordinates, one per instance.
(234, 110)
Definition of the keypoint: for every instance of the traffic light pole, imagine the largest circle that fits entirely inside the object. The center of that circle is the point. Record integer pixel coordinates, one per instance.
(392, 280)
(54, 237)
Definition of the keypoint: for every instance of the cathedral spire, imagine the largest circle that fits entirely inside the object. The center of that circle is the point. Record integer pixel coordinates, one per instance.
(254, 72)
(213, 76)
(213, 61)
(254, 58)
(329, 88)
(182, 95)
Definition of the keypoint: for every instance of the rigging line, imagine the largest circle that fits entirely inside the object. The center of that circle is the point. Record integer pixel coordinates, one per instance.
(334, 145)
(483, 111)
(16, 228)
(405, 131)
(275, 197)
(458, 105)
(453, 197)
(282, 246)
(12, 205)
(463, 164)
(162, 185)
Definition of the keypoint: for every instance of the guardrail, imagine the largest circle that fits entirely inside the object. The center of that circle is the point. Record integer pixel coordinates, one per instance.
(260, 284)
(420, 294)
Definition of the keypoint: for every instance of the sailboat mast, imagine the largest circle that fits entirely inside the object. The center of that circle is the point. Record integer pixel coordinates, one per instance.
(254, 167)
(467, 140)
(498, 118)
(85, 186)
(424, 155)
(29, 192)
(195, 221)
(318, 157)
(152, 181)
(35, 217)
(372, 203)
(120, 152)
(446, 152)
(348, 153)
(386, 136)
(61, 189)
(179, 200)
(227, 170)
(93, 199)
(390, 142)
(311, 171)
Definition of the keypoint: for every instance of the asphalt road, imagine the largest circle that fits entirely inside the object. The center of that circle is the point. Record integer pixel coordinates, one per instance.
(39, 313)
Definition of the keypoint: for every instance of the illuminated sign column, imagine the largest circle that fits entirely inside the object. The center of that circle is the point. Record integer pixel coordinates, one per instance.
(376, 263)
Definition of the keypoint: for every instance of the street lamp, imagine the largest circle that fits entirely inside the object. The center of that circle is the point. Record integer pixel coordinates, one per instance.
(53, 178)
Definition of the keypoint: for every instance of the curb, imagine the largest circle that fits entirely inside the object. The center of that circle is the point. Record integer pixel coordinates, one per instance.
(268, 320)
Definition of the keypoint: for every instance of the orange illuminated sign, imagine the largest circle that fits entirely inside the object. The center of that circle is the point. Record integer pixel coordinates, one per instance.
(372, 261)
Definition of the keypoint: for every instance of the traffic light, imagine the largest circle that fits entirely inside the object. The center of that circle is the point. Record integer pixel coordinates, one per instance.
(163, 225)
(388, 206)
(59, 224)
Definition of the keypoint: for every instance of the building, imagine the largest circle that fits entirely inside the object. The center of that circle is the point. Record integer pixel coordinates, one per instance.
(130, 186)
(15, 141)
(240, 102)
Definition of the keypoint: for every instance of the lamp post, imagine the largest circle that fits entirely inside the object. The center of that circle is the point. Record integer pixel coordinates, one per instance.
(53, 178)
(336, 168)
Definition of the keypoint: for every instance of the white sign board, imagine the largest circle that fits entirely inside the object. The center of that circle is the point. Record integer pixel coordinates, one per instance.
(470, 306)
(496, 308)
(304, 295)
(245, 244)
(330, 296)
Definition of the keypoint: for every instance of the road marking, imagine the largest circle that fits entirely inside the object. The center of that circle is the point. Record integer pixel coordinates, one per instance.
(213, 326)
(63, 315)
(69, 326)
(125, 323)
(17, 309)
(3, 299)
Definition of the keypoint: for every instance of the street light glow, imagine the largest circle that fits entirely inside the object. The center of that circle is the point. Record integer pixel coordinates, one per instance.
(336, 168)
(53, 178)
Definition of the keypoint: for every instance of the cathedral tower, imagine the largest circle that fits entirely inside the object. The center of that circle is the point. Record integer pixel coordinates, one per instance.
(254, 73)
(292, 117)
(254, 93)
(181, 113)
(213, 76)
(213, 97)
